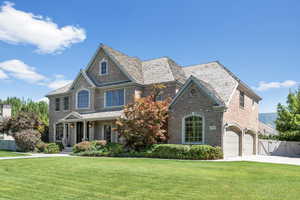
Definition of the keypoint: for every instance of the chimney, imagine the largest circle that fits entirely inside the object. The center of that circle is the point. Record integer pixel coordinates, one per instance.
(6, 110)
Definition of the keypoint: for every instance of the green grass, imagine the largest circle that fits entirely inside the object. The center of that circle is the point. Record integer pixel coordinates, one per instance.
(4, 153)
(124, 178)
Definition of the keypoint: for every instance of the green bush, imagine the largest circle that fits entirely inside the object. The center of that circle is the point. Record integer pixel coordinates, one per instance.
(41, 146)
(27, 140)
(192, 152)
(82, 146)
(52, 148)
(60, 145)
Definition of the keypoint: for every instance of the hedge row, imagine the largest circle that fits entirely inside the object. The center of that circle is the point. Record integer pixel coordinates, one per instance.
(167, 151)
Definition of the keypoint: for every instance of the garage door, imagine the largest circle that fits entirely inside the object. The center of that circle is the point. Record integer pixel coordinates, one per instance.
(249, 144)
(231, 143)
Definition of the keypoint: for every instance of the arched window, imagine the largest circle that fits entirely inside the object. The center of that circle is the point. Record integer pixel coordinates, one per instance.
(83, 99)
(193, 129)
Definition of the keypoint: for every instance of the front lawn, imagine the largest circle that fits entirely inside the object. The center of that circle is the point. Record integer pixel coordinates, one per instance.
(126, 178)
(4, 153)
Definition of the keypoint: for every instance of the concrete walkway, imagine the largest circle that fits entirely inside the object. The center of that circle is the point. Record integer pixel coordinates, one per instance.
(267, 159)
(35, 155)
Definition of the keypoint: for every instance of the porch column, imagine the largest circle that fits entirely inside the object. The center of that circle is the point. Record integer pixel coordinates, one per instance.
(64, 135)
(54, 132)
(84, 131)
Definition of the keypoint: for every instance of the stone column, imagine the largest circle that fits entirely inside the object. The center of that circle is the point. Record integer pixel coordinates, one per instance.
(84, 131)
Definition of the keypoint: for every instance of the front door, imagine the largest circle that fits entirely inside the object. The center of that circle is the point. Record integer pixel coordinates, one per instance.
(107, 133)
(79, 131)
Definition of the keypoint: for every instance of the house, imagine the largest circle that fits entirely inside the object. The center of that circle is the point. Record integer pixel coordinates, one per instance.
(5, 112)
(210, 104)
(266, 129)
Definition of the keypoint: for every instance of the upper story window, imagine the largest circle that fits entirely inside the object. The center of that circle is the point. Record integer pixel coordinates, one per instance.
(193, 129)
(159, 97)
(83, 99)
(114, 98)
(103, 67)
(66, 103)
(242, 99)
(57, 104)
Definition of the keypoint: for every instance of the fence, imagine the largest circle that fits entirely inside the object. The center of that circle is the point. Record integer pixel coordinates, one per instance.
(278, 148)
(8, 145)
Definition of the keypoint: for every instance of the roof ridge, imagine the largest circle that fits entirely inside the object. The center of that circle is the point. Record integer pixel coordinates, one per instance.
(195, 65)
(155, 59)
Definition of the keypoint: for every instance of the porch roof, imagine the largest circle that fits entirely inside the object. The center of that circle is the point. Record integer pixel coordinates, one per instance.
(108, 115)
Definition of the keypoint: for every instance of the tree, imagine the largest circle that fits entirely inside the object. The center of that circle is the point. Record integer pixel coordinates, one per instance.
(145, 121)
(20, 122)
(288, 120)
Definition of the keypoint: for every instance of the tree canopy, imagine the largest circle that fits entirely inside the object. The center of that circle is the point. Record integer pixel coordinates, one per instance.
(28, 106)
(288, 120)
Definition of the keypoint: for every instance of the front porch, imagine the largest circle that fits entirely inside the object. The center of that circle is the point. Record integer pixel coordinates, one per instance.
(75, 128)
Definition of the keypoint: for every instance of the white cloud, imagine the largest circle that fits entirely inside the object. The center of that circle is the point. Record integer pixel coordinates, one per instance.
(3, 75)
(17, 27)
(58, 84)
(45, 99)
(263, 86)
(20, 70)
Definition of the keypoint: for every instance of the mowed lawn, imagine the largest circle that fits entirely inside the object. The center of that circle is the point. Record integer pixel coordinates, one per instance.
(4, 153)
(124, 178)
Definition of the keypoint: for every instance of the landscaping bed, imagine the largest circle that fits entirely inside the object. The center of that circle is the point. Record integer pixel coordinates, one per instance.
(169, 151)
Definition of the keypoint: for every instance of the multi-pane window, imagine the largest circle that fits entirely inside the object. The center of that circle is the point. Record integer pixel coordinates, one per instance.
(83, 98)
(242, 99)
(103, 68)
(66, 103)
(57, 104)
(193, 129)
(114, 98)
(59, 131)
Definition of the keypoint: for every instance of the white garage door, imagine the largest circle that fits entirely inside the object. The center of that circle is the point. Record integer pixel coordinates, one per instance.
(249, 144)
(231, 144)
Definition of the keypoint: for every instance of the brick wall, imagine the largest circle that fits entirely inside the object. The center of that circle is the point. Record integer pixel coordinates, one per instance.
(201, 104)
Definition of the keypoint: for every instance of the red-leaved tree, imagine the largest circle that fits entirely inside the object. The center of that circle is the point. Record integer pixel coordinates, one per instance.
(145, 121)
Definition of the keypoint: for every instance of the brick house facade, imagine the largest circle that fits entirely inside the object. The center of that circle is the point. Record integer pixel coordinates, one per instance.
(210, 105)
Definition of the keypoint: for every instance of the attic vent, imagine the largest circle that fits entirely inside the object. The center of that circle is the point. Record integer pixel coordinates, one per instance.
(193, 92)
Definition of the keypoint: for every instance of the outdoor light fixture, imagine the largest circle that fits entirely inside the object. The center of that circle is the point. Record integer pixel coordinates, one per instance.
(72, 125)
(90, 125)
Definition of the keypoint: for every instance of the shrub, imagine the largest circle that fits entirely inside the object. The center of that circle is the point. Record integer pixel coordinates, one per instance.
(60, 145)
(41, 146)
(27, 140)
(98, 144)
(192, 152)
(82, 146)
(52, 148)
(145, 121)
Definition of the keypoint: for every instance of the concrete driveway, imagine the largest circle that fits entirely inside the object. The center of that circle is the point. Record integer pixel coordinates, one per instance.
(267, 159)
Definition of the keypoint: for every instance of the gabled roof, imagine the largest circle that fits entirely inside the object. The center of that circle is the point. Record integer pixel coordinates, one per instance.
(130, 66)
(83, 74)
(162, 70)
(203, 86)
(219, 77)
(108, 115)
(61, 90)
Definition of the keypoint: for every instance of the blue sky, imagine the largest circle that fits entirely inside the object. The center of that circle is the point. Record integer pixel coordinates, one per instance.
(43, 44)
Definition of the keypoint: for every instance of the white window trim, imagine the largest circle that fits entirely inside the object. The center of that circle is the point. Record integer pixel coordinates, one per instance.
(64, 103)
(76, 99)
(183, 128)
(100, 68)
(105, 106)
